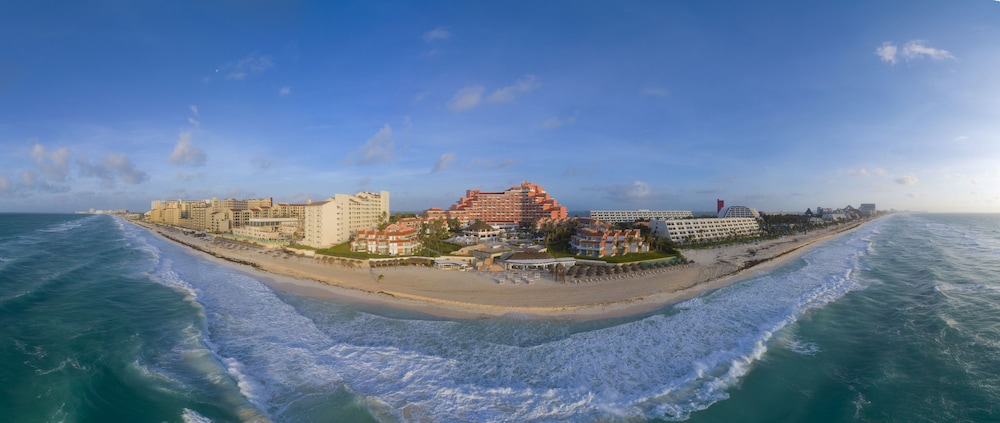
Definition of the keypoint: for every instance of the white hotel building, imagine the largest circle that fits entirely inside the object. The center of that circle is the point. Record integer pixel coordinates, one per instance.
(628, 216)
(331, 222)
(682, 231)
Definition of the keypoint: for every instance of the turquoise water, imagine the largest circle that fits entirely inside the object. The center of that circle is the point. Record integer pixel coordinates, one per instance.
(101, 321)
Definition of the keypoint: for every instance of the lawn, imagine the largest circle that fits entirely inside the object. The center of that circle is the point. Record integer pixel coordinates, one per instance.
(344, 250)
(560, 251)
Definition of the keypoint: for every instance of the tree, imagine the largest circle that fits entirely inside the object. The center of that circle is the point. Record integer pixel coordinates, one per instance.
(454, 225)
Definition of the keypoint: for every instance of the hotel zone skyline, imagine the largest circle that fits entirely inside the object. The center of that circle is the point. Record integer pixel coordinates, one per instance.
(776, 105)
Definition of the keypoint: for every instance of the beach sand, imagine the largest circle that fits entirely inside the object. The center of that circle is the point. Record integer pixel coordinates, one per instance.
(458, 294)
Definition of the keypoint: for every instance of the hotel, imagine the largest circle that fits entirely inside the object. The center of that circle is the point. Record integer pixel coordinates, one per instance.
(516, 205)
(394, 240)
(738, 211)
(629, 216)
(332, 222)
(683, 231)
(603, 242)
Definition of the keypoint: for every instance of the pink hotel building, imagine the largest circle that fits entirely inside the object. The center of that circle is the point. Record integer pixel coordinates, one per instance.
(518, 204)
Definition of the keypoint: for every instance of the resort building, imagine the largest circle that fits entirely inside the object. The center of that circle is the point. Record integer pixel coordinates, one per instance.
(529, 260)
(332, 222)
(270, 230)
(603, 242)
(481, 232)
(394, 240)
(738, 212)
(628, 216)
(867, 209)
(218, 223)
(289, 210)
(685, 231)
(525, 203)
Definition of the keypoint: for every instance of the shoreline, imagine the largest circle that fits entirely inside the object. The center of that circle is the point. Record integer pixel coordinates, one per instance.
(470, 295)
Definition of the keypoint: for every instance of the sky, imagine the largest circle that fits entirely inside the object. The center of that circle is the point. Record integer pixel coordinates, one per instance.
(664, 105)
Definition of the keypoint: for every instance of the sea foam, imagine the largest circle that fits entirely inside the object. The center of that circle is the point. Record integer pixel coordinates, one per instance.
(667, 365)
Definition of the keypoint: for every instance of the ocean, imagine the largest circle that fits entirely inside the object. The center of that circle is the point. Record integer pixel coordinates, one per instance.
(100, 321)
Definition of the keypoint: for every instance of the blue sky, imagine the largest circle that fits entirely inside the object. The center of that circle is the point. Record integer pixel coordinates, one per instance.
(777, 105)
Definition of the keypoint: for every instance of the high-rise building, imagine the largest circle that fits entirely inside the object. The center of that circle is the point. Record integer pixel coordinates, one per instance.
(332, 222)
(627, 216)
(683, 231)
(525, 203)
(738, 212)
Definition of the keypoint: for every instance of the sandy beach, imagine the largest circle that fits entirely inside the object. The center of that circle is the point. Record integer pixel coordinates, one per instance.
(470, 294)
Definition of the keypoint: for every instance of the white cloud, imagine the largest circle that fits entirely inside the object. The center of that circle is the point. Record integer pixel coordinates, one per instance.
(506, 94)
(471, 96)
(906, 180)
(194, 122)
(420, 97)
(466, 98)
(917, 50)
(54, 164)
(188, 177)
(556, 121)
(864, 173)
(378, 148)
(31, 181)
(286, 90)
(912, 50)
(887, 52)
(185, 153)
(6, 187)
(437, 34)
(194, 109)
(443, 162)
(653, 91)
(639, 190)
(115, 166)
(126, 170)
(252, 63)
(481, 164)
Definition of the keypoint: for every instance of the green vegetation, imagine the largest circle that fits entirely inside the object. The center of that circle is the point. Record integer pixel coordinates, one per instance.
(439, 248)
(432, 238)
(557, 251)
(395, 217)
(344, 250)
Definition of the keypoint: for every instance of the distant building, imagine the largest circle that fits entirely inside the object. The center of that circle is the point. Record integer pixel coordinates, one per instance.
(698, 230)
(332, 222)
(628, 216)
(394, 240)
(525, 203)
(867, 209)
(738, 211)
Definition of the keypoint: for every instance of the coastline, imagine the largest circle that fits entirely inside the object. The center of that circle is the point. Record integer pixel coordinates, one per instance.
(464, 295)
